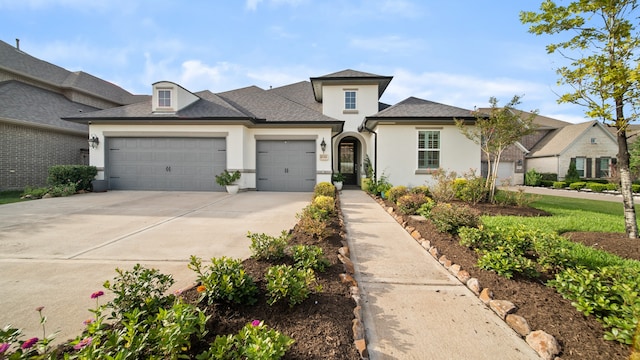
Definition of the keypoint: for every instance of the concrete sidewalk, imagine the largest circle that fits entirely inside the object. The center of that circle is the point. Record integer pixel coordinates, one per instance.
(413, 308)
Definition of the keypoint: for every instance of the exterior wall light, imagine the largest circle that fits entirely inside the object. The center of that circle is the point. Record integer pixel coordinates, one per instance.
(323, 145)
(93, 141)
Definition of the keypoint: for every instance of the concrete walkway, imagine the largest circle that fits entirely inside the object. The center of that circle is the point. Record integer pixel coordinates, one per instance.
(413, 308)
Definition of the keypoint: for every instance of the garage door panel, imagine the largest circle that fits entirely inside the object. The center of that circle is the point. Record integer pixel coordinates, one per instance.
(285, 165)
(165, 163)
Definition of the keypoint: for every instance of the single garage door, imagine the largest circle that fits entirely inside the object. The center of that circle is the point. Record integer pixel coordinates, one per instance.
(286, 165)
(187, 164)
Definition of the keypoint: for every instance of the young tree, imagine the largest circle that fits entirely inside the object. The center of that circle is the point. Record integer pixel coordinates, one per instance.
(496, 131)
(602, 47)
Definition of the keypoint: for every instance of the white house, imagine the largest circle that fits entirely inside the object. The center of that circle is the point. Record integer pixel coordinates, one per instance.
(283, 139)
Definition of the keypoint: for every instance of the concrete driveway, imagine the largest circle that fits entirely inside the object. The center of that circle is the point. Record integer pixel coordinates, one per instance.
(56, 252)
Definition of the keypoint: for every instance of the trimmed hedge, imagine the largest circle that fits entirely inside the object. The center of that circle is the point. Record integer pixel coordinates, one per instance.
(80, 175)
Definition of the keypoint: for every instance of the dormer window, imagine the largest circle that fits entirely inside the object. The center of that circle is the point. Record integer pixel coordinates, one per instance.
(164, 98)
(350, 100)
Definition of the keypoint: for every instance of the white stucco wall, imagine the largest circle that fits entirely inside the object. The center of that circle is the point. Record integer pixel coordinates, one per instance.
(240, 140)
(366, 103)
(398, 153)
(180, 97)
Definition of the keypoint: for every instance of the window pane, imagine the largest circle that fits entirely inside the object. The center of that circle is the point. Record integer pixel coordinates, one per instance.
(604, 167)
(164, 98)
(580, 166)
(349, 99)
(428, 149)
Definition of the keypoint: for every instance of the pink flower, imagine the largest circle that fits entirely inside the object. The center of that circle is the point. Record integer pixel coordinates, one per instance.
(97, 294)
(39, 308)
(29, 343)
(83, 343)
(4, 347)
(255, 323)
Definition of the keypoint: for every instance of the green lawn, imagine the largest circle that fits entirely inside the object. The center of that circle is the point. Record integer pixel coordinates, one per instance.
(570, 214)
(10, 196)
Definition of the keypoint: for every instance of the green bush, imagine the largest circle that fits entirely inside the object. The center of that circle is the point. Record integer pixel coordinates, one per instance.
(596, 187)
(139, 289)
(268, 247)
(546, 183)
(471, 189)
(559, 184)
(253, 341)
(635, 188)
(324, 189)
(80, 175)
(309, 257)
(613, 187)
(577, 185)
(506, 264)
(396, 192)
(532, 178)
(326, 204)
(549, 176)
(443, 190)
(425, 209)
(514, 198)
(609, 293)
(67, 189)
(410, 203)
(34, 193)
(287, 282)
(572, 173)
(421, 189)
(450, 217)
(224, 280)
(313, 221)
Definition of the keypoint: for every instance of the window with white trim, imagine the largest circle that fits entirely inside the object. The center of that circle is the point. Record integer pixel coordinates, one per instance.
(428, 149)
(164, 98)
(350, 100)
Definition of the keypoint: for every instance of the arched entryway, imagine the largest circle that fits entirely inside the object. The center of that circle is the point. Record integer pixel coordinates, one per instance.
(348, 155)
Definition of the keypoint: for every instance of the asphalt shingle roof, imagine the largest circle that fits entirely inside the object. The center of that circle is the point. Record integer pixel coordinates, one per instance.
(26, 103)
(17, 61)
(351, 77)
(413, 107)
(559, 140)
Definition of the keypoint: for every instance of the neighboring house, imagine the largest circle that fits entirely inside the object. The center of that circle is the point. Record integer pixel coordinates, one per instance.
(34, 95)
(553, 146)
(284, 139)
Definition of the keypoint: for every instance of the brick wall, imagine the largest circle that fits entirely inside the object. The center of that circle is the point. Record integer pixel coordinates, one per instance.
(26, 154)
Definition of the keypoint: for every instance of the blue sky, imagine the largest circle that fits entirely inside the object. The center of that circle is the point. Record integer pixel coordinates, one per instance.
(458, 53)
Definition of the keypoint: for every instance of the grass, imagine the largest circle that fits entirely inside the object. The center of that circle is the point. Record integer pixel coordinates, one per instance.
(10, 196)
(569, 214)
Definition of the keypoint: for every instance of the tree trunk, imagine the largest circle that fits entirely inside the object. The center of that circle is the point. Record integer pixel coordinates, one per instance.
(630, 223)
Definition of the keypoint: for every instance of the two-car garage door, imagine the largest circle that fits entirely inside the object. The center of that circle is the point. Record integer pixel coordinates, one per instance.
(188, 164)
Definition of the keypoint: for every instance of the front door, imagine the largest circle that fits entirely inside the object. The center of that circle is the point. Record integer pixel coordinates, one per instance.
(347, 160)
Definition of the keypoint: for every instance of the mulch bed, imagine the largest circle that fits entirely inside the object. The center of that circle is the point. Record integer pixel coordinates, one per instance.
(322, 324)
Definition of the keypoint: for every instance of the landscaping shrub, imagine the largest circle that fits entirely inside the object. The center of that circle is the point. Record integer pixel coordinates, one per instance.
(471, 189)
(532, 178)
(596, 187)
(546, 183)
(396, 192)
(324, 189)
(34, 193)
(549, 176)
(559, 184)
(139, 289)
(80, 175)
(608, 293)
(67, 189)
(635, 188)
(224, 280)
(572, 173)
(425, 209)
(421, 189)
(514, 198)
(506, 264)
(268, 247)
(253, 341)
(577, 185)
(450, 217)
(285, 282)
(410, 203)
(325, 204)
(313, 221)
(613, 187)
(309, 257)
(443, 190)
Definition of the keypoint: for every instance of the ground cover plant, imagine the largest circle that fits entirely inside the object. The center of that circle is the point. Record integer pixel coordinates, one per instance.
(290, 306)
(520, 255)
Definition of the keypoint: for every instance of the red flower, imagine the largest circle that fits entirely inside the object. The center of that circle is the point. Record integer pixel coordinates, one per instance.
(97, 294)
(201, 288)
(29, 343)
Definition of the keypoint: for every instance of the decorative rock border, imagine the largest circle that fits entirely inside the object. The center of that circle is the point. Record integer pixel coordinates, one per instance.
(543, 343)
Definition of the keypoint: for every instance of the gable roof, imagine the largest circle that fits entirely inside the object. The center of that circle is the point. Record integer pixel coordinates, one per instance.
(350, 77)
(559, 140)
(542, 122)
(416, 109)
(300, 93)
(18, 62)
(23, 103)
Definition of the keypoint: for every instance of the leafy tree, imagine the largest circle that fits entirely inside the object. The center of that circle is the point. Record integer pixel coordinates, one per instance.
(600, 40)
(495, 132)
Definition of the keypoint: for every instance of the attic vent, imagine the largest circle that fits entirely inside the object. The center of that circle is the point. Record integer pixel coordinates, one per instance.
(593, 141)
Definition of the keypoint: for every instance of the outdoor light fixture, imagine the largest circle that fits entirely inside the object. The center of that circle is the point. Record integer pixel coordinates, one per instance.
(93, 141)
(323, 145)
